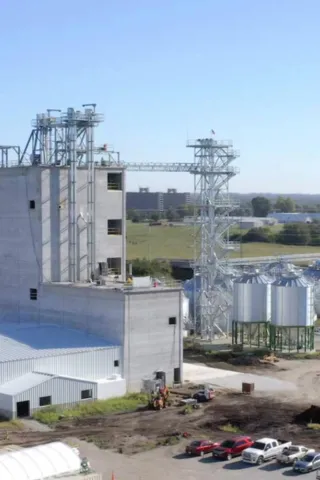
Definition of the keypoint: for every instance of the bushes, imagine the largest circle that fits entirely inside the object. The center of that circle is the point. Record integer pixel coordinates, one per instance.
(143, 267)
(261, 234)
(130, 402)
(291, 234)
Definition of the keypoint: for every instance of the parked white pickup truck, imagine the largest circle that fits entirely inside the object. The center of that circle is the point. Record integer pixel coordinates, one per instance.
(263, 450)
(290, 455)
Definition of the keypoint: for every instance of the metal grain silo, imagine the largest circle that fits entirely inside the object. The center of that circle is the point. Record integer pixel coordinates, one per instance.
(251, 310)
(252, 298)
(312, 273)
(292, 301)
(292, 313)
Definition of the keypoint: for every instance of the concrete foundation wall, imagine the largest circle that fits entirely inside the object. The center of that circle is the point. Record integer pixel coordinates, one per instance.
(151, 344)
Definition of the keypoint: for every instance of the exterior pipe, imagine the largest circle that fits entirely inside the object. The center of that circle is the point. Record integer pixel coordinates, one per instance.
(72, 154)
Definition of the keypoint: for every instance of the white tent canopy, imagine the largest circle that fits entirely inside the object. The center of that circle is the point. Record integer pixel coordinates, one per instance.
(39, 463)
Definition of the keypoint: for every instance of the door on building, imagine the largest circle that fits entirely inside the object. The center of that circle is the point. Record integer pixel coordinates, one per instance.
(23, 409)
(176, 375)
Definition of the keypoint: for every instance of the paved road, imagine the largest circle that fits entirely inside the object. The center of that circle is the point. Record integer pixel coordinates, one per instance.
(169, 464)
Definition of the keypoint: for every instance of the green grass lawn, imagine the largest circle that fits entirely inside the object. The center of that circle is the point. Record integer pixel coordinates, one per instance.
(177, 242)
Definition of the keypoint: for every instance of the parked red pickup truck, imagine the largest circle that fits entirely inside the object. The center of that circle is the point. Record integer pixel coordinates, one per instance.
(200, 447)
(232, 447)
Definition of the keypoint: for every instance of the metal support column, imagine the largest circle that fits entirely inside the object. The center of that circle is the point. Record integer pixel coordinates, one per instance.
(72, 158)
(91, 244)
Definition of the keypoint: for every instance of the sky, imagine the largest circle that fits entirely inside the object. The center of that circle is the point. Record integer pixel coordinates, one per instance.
(166, 71)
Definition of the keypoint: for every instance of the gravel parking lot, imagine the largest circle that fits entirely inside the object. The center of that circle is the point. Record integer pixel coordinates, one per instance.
(169, 463)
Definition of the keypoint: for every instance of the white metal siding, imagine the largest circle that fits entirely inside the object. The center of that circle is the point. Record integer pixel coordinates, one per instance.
(93, 364)
(292, 306)
(14, 369)
(152, 344)
(63, 391)
(251, 302)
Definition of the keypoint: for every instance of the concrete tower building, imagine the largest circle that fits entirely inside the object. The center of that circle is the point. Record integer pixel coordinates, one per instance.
(71, 328)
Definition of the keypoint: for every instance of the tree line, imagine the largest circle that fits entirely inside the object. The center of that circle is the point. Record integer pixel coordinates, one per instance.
(258, 207)
(291, 234)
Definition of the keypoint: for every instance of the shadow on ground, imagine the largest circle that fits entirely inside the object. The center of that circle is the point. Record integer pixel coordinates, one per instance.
(239, 465)
(271, 467)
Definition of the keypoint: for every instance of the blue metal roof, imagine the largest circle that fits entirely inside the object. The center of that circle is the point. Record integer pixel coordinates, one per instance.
(27, 340)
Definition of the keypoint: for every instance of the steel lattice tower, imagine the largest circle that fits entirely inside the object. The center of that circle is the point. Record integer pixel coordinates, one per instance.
(67, 139)
(212, 172)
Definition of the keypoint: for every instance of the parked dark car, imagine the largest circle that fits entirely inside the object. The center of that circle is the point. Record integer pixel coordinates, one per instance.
(233, 447)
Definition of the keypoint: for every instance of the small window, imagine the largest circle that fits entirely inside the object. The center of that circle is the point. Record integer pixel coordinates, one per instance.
(44, 401)
(33, 294)
(116, 363)
(86, 394)
(114, 181)
(32, 204)
(172, 320)
(176, 375)
(115, 227)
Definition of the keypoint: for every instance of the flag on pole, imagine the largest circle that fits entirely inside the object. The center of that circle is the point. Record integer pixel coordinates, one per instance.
(213, 132)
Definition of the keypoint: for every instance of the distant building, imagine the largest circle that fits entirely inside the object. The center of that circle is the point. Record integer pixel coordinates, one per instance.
(144, 200)
(294, 217)
(244, 223)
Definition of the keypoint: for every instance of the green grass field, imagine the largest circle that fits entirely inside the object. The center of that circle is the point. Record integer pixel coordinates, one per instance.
(177, 242)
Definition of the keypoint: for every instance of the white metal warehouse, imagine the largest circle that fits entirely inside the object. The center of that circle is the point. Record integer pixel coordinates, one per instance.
(42, 365)
(40, 463)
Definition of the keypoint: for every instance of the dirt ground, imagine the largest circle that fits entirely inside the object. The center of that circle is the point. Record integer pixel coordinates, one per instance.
(258, 416)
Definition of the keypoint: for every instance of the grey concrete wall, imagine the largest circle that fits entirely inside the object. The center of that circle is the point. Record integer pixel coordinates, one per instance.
(110, 204)
(97, 310)
(34, 243)
(152, 344)
(20, 233)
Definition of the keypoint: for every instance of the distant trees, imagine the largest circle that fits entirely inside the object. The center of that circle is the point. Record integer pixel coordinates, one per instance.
(290, 234)
(284, 204)
(261, 206)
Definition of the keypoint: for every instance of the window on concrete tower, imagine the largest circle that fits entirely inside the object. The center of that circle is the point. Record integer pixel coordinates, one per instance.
(115, 227)
(33, 294)
(116, 363)
(172, 320)
(32, 204)
(114, 181)
(114, 266)
(85, 394)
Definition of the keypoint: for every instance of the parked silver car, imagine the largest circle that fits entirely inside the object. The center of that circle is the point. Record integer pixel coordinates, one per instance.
(308, 463)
